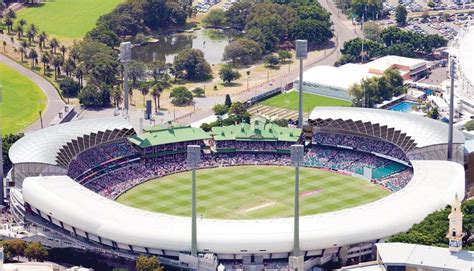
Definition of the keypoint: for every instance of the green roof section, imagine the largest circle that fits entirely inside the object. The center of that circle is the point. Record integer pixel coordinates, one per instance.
(161, 135)
(257, 130)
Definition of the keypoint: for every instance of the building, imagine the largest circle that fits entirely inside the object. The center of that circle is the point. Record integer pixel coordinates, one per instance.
(336, 81)
(411, 257)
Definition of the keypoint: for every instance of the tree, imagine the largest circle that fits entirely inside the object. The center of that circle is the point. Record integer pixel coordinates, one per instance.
(144, 263)
(136, 71)
(228, 101)
(237, 14)
(433, 113)
(8, 21)
(220, 109)
(35, 251)
(227, 74)
(63, 50)
(372, 30)
(284, 56)
(432, 230)
(53, 44)
(156, 94)
(357, 94)
(216, 17)
(401, 15)
(94, 96)
(469, 125)
(271, 60)
(116, 95)
(33, 55)
(69, 67)
(192, 65)
(181, 96)
(19, 30)
(45, 60)
(144, 89)
(158, 70)
(16, 248)
(31, 33)
(198, 92)
(104, 35)
(7, 142)
(316, 32)
(42, 37)
(22, 51)
(242, 51)
(238, 111)
(57, 63)
(69, 87)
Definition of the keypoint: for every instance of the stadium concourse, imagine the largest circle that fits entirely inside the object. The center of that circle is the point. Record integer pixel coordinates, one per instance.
(67, 176)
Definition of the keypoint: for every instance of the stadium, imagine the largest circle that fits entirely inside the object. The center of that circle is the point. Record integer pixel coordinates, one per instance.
(368, 174)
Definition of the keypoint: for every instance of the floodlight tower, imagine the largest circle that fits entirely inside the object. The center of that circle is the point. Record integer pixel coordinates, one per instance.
(452, 60)
(301, 53)
(193, 159)
(296, 261)
(125, 56)
(1, 168)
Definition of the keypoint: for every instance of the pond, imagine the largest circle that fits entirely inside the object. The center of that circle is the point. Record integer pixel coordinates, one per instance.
(211, 41)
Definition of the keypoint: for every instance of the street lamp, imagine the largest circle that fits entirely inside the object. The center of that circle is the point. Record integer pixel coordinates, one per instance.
(301, 53)
(193, 158)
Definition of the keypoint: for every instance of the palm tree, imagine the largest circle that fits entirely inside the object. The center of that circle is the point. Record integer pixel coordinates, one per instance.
(9, 23)
(63, 50)
(22, 22)
(19, 30)
(34, 56)
(156, 93)
(4, 46)
(80, 72)
(57, 63)
(11, 13)
(53, 43)
(22, 51)
(74, 53)
(69, 67)
(116, 94)
(32, 31)
(45, 60)
(144, 90)
(42, 39)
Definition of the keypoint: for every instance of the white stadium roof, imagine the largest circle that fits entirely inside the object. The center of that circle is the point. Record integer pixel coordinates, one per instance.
(433, 186)
(424, 131)
(339, 77)
(466, 54)
(43, 145)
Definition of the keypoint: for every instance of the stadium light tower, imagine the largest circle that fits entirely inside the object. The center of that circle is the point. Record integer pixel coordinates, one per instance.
(125, 56)
(301, 53)
(193, 158)
(451, 108)
(296, 260)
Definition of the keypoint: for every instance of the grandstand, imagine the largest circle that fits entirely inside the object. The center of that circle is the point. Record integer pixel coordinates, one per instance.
(343, 141)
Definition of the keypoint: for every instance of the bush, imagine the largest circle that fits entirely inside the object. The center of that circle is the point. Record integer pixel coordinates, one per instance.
(469, 125)
(93, 96)
(69, 87)
(198, 92)
(181, 96)
(271, 60)
(220, 109)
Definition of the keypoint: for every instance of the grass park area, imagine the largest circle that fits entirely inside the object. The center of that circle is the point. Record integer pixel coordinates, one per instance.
(250, 192)
(289, 100)
(19, 101)
(67, 19)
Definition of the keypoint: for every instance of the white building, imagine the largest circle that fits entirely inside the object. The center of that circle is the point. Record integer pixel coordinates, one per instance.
(335, 81)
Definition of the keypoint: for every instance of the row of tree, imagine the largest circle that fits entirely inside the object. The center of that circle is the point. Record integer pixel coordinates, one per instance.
(34, 251)
(362, 9)
(433, 229)
(267, 26)
(7, 142)
(375, 90)
(390, 41)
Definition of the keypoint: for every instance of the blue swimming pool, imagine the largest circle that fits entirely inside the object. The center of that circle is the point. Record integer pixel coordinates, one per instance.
(404, 106)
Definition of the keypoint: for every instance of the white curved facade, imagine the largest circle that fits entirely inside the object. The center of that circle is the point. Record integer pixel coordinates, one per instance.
(433, 186)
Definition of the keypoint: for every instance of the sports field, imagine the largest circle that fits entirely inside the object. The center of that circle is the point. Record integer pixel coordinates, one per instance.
(310, 101)
(250, 192)
(67, 19)
(19, 101)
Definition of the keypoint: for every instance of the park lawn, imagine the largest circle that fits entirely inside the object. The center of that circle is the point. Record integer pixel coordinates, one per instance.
(289, 100)
(251, 192)
(20, 100)
(67, 19)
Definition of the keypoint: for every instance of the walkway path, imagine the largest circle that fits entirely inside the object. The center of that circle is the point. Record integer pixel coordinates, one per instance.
(54, 104)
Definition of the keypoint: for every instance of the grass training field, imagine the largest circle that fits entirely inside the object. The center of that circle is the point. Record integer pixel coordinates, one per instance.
(67, 19)
(290, 101)
(19, 100)
(250, 192)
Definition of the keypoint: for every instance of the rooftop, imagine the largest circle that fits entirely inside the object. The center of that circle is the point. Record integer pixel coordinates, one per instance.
(386, 62)
(160, 135)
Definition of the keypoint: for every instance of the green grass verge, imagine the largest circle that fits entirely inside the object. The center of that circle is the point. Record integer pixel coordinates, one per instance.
(310, 101)
(67, 19)
(250, 192)
(20, 100)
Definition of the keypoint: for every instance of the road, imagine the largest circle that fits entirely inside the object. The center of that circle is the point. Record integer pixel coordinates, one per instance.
(54, 104)
(344, 31)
